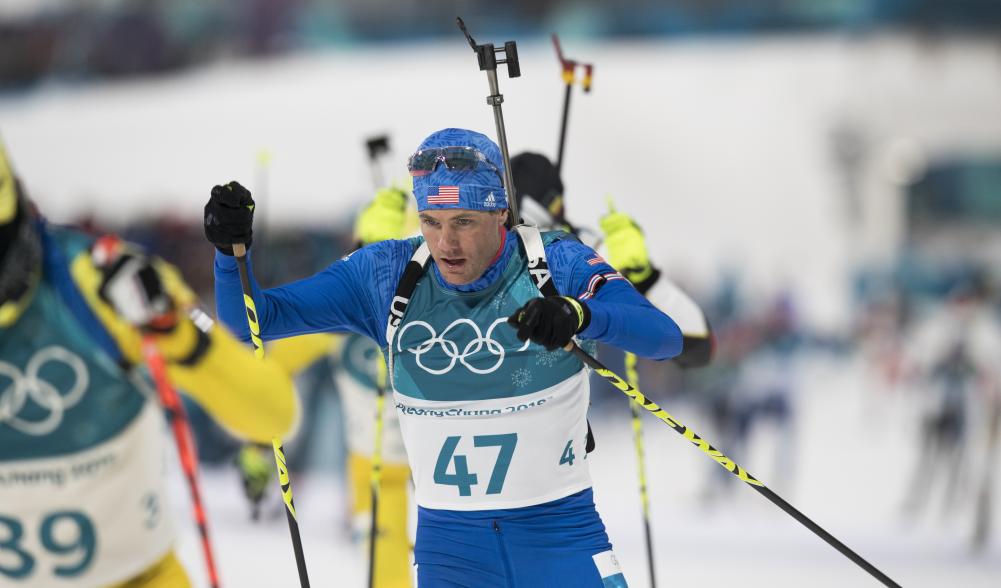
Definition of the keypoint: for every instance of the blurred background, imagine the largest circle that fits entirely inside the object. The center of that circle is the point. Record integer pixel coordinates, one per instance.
(823, 177)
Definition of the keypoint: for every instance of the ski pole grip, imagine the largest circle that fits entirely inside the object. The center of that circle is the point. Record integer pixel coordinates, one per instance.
(377, 146)
(239, 250)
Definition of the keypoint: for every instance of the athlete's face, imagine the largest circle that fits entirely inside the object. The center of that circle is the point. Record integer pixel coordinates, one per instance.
(462, 242)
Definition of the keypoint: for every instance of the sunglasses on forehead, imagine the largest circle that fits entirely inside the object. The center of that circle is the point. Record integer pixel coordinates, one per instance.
(425, 161)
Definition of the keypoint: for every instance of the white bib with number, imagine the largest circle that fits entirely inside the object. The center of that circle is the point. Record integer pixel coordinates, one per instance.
(499, 453)
(92, 518)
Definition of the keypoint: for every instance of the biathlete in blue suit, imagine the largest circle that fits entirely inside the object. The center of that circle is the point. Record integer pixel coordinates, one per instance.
(472, 317)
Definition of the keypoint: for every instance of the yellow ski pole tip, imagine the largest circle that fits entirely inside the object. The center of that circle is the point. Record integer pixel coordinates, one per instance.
(263, 158)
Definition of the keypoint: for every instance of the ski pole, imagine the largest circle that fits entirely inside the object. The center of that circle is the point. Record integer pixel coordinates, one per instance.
(240, 252)
(726, 462)
(569, 73)
(641, 464)
(486, 56)
(185, 448)
(568, 68)
(376, 479)
(376, 146)
(250, 455)
(293, 523)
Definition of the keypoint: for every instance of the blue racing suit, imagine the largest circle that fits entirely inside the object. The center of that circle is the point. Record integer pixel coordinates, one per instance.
(494, 427)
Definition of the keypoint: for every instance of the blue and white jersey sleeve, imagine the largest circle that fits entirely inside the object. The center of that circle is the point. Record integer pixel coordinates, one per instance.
(352, 294)
(620, 316)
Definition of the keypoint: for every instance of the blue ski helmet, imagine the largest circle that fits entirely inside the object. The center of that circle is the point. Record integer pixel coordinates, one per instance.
(480, 188)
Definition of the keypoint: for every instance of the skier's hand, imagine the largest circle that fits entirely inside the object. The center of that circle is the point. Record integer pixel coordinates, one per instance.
(384, 217)
(229, 217)
(551, 321)
(131, 285)
(627, 251)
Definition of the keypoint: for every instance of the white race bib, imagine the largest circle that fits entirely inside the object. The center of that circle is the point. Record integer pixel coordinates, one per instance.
(91, 518)
(500, 453)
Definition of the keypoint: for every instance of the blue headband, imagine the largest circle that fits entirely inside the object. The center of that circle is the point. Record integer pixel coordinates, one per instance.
(478, 189)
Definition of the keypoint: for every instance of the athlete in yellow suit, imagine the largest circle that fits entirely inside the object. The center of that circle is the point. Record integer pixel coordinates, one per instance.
(357, 358)
(82, 492)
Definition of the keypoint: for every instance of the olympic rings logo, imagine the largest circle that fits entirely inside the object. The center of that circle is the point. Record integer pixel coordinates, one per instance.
(29, 385)
(451, 348)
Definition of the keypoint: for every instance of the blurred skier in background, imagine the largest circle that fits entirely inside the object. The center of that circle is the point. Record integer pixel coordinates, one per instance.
(766, 381)
(952, 359)
(82, 476)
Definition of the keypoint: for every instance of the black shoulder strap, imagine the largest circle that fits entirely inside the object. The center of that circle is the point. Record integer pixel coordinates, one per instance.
(405, 289)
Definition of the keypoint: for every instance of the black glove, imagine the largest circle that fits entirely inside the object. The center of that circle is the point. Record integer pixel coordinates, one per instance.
(132, 286)
(551, 321)
(229, 217)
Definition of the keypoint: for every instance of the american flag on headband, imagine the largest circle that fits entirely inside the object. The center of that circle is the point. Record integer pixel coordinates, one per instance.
(443, 194)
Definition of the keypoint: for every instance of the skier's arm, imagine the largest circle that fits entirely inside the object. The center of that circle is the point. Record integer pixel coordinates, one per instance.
(627, 251)
(253, 399)
(619, 315)
(351, 294)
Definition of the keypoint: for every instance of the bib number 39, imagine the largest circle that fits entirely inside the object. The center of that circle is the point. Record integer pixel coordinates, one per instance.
(62, 533)
(461, 477)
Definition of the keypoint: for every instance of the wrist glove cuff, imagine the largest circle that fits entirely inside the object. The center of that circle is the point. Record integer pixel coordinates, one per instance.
(583, 313)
